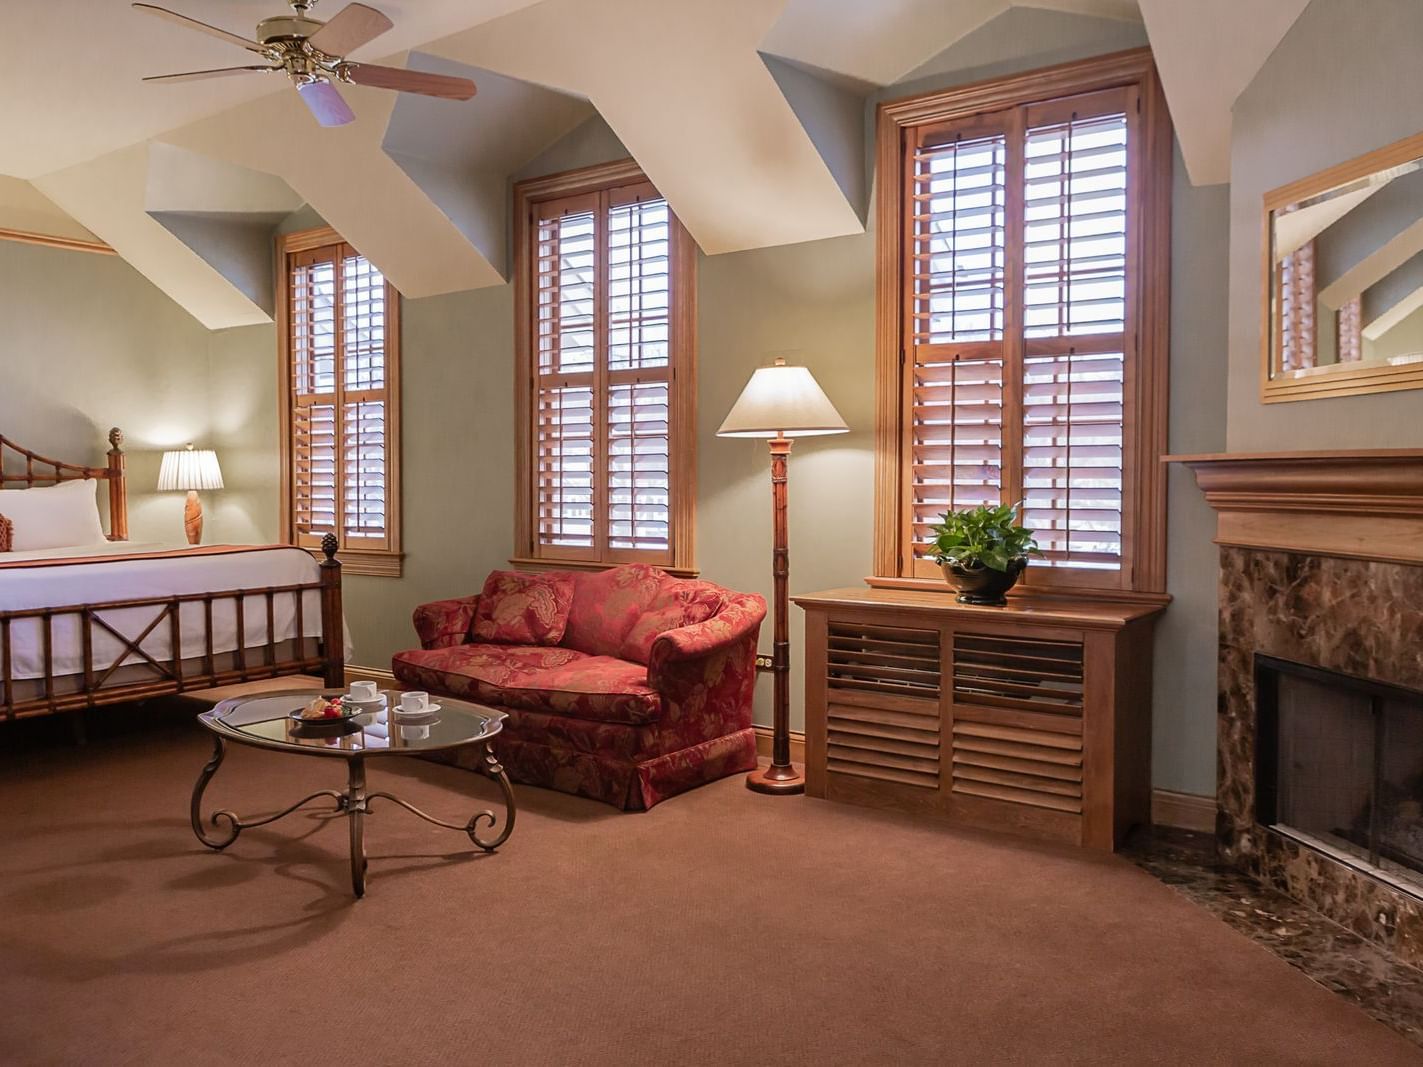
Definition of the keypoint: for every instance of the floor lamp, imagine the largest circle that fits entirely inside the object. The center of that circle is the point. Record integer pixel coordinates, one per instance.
(780, 403)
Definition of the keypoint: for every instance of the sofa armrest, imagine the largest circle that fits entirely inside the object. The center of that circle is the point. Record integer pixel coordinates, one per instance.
(443, 623)
(734, 629)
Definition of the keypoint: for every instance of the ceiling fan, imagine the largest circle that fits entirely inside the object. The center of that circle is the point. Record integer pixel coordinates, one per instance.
(313, 54)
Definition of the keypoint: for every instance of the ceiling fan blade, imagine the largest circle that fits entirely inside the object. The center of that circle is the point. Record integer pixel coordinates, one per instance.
(409, 81)
(201, 27)
(351, 27)
(195, 75)
(326, 103)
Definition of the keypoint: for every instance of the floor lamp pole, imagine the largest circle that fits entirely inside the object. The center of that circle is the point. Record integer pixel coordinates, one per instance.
(780, 777)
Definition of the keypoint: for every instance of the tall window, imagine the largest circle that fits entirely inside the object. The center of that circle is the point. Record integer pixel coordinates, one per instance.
(606, 304)
(1024, 274)
(340, 365)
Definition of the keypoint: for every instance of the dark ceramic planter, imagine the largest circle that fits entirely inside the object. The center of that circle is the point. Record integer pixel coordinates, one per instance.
(984, 585)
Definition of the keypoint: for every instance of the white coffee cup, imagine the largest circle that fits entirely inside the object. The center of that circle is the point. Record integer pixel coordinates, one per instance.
(363, 691)
(415, 701)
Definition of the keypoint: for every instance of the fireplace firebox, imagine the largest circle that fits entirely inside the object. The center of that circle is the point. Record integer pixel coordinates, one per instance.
(1339, 767)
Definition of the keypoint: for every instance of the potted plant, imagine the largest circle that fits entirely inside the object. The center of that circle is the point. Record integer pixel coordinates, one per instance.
(982, 552)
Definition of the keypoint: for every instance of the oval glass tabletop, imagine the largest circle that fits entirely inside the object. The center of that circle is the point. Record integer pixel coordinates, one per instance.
(266, 720)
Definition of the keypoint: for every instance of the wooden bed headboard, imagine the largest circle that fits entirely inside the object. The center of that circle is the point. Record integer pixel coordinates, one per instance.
(41, 470)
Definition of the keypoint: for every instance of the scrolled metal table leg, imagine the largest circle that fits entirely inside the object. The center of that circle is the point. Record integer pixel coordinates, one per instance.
(356, 808)
(195, 811)
(495, 770)
(490, 766)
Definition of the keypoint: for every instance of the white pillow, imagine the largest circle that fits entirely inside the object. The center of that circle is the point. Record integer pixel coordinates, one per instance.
(54, 516)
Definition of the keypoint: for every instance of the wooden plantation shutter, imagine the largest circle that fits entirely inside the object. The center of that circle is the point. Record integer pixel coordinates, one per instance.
(956, 233)
(340, 366)
(1075, 264)
(1018, 267)
(605, 281)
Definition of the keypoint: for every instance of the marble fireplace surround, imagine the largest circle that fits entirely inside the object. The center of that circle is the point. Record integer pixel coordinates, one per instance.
(1321, 563)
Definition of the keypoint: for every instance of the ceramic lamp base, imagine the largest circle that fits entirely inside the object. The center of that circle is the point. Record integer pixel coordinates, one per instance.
(193, 518)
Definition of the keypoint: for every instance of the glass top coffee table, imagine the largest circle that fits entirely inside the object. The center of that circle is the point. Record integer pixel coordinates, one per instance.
(264, 721)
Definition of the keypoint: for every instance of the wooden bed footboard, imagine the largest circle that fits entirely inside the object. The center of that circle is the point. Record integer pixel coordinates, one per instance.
(139, 672)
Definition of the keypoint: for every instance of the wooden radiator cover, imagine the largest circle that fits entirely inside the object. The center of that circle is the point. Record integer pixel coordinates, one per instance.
(1034, 718)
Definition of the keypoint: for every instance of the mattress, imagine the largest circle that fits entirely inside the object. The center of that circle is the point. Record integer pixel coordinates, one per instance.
(123, 571)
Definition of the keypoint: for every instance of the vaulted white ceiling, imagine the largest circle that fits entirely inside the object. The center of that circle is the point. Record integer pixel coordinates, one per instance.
(747, 114)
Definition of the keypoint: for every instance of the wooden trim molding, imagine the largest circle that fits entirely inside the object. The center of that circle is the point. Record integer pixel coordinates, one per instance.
(765, 738)
(382, 676)
(1358, 505)
(1146, 332)
(49, 240)
(1337, 379)
(1184, 811)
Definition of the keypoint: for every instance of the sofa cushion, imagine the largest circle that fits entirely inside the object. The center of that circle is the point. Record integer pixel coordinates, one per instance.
(678, 603)
(606, 605)
(523, 609)
(560, 681)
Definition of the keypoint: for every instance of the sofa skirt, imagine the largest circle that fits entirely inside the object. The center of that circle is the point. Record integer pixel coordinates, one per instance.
(625, 784)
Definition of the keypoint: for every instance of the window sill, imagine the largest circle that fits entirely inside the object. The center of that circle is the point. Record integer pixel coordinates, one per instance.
(359, 561)
(526, 563)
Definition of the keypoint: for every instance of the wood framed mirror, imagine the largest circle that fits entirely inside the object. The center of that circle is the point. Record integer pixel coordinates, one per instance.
(1343, 279)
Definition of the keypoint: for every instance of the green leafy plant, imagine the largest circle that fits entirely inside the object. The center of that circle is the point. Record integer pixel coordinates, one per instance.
(983, 537)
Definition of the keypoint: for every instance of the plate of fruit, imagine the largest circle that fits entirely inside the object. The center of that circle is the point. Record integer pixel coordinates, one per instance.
(323, 711)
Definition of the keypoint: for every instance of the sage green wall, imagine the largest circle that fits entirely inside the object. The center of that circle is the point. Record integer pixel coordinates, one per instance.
(86, 343)
(813, 303)
(1345, 80)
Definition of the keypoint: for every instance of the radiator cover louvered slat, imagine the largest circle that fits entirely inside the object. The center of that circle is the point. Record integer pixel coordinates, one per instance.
(883, 685)
(1002, 677)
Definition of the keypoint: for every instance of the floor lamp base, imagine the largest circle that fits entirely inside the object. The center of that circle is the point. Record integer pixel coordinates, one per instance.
(776, 781)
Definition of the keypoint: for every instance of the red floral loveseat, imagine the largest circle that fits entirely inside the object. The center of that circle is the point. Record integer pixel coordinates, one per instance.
(627, 685)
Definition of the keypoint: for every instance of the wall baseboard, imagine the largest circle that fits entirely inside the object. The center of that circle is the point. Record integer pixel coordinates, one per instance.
(370, 674)
(763, 744)
(1183, 811)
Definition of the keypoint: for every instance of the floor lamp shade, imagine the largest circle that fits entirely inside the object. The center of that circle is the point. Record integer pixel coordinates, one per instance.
(779, 403)
(190, 469)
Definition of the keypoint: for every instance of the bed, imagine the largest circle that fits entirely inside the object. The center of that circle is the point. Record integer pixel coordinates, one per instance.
(107, 620)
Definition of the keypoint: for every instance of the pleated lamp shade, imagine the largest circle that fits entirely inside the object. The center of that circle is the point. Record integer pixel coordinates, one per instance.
(782, 401)
(189, 468)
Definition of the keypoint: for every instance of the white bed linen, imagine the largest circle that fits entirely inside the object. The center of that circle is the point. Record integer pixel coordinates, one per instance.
(68, 585)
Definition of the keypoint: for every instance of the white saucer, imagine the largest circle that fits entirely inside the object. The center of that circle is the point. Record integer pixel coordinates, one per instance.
(429, 712)
(364, 707)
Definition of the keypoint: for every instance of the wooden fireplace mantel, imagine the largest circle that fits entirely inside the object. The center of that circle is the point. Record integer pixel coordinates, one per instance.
(1365, 504)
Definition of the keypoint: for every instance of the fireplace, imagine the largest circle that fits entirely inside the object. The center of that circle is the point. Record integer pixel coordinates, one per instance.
(1319, 727)
(1339, 767)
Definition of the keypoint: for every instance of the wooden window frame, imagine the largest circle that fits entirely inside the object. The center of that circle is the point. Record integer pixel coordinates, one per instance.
(682, 392)
(385, 562)
(1143, 573)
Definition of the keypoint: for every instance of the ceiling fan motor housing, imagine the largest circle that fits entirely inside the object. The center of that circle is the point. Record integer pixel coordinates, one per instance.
(283, 28)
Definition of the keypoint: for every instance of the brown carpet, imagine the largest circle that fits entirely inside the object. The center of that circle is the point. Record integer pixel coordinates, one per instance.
(722, 927)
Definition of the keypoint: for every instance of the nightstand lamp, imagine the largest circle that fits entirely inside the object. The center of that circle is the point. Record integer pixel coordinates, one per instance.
(779, 403)
(190, 469)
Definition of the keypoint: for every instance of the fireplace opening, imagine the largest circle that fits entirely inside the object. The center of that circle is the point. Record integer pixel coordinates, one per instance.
(1339, 767)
